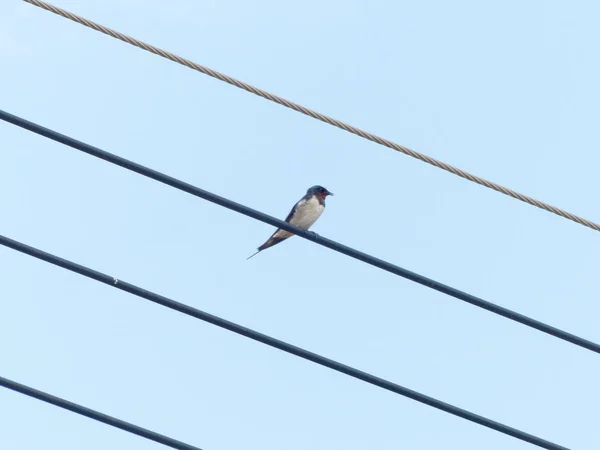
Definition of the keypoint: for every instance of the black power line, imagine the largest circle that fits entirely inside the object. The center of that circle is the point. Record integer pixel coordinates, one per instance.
(392, 268)
(276, 343)
(92, 414)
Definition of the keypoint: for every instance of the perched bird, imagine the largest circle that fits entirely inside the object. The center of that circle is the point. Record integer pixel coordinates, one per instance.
(303, 215)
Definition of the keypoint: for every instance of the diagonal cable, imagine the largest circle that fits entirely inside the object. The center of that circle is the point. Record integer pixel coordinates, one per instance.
(242, 209)
(92, 414)
(316, 115)
(276, 343)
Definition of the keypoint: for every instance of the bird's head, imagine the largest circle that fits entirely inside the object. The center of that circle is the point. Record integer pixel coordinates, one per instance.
(319, 191)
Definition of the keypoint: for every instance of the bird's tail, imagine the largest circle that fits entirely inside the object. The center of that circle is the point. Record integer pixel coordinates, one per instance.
(273, 240)
(254, 254)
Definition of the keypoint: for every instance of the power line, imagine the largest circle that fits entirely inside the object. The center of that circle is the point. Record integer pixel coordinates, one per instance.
(92, 414)
(316, 115)
(242, 209)
(276, 343)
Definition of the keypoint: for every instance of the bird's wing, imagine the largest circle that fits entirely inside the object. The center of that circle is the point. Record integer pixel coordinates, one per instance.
(294, 209)
(281, 235)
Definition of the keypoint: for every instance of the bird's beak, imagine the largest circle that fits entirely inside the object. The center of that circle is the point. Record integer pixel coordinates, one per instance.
(329, 193)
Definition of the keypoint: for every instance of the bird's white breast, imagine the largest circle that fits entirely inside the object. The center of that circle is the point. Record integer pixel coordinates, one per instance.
(307, 212)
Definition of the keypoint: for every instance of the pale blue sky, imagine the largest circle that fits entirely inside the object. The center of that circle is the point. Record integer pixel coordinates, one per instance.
(507, 90)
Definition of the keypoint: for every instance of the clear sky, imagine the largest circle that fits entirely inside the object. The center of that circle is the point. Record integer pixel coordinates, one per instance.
(507, 90)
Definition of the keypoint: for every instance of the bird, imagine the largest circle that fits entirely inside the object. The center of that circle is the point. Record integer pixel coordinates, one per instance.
(304, 213)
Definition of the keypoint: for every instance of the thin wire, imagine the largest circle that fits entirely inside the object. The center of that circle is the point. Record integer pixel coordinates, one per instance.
(226, 203)
(92, 414)
(316, 115)
(276, 343)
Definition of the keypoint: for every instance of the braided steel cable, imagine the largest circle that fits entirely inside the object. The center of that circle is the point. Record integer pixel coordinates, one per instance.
(316, 115)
